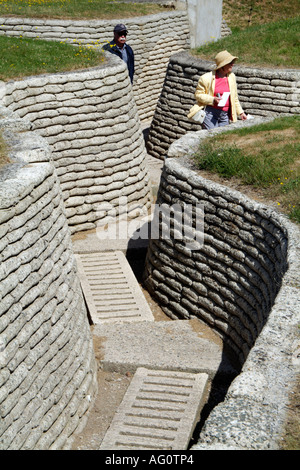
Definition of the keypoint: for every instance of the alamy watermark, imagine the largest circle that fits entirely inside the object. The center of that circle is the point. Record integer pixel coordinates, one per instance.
(180, 222)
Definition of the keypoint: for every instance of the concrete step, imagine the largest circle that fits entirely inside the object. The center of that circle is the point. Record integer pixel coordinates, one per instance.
(178, 345)
(159, 411)
(110, 288)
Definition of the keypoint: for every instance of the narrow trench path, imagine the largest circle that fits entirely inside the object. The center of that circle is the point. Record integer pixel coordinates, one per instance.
(112, 387)
(113, 384)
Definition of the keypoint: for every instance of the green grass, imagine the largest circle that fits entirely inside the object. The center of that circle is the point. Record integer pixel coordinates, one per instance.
(76, 9)
(265, 156)
(240, 14)
(3, 152)
(272, 45)
(24, 57)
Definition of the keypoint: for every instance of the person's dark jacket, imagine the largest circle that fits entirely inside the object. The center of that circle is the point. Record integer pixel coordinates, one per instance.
(111, 47)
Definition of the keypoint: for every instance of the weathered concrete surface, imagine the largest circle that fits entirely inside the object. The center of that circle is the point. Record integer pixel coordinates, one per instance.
(110, 288)
(159, 411)
(167, 345)
(48, 368)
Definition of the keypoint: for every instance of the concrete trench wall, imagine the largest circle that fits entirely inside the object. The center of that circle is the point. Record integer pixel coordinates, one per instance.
(262, 92)
(91, 123)
(243, 281)
(48, 370)
(154, 39)
(41, 280)
(232, 280)
(61, 176)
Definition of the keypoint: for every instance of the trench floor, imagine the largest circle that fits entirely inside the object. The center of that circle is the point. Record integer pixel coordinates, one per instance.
(157, 342)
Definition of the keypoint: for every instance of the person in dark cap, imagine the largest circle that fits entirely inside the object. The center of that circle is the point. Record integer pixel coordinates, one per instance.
(119, 47)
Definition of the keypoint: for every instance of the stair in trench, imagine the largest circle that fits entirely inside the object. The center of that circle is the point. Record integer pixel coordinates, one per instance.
(159, 411)
(161, 406)
(110, 288)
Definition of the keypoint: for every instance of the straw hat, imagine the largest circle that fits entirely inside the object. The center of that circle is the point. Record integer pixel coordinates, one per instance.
(223, 58)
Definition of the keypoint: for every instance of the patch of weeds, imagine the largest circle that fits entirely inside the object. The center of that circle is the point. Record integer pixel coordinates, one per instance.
(4, 159)
(24, 57)
(264, 156)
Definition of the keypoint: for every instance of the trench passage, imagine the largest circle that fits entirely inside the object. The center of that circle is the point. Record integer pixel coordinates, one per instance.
(173, 363)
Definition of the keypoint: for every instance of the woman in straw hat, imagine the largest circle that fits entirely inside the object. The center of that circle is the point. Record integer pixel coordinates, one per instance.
(212, 86)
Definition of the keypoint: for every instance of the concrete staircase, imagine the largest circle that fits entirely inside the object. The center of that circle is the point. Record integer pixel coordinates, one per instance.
(110, 288)
(172, 362)
(158, 412)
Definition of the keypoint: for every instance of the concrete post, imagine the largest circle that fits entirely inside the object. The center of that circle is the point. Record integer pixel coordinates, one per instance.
(205, 17)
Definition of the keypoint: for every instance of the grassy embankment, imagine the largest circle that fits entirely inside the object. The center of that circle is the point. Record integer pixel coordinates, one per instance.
(264, 156)
(77, 9)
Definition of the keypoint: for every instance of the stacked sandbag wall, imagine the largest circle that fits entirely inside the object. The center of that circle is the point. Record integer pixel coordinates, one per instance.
(230, 280)
(262, 92)
(154, 38)
(91, 123)
(239, 275)
(48, 370)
